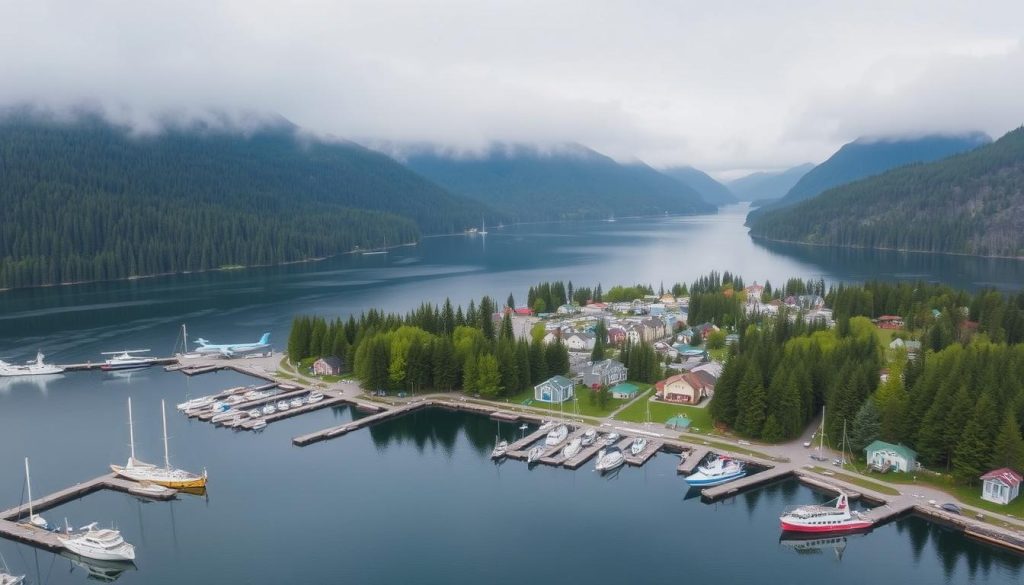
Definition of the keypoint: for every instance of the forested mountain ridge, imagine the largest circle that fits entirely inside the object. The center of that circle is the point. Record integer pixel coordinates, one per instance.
(867, 157)
(972, 203)
(86, 200)
(707, 187)
(571, 181)
(764, 185)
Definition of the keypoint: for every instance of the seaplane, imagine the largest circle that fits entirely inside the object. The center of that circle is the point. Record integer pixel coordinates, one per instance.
(229, 350)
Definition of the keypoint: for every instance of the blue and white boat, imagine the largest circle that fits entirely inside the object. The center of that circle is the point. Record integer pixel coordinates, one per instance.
(717, 472)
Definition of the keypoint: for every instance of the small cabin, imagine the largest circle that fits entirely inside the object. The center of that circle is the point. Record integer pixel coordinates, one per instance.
(554, 390)
(884, 457)
(624, 391)
(327, 366)
(1001, 485)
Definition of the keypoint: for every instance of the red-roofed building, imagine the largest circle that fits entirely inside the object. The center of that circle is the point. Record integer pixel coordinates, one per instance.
(890, 322)
(1001, 485)
(524, 311)
(688, 388)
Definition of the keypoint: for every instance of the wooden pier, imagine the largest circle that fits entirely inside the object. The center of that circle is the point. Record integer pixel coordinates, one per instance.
(99, 365)
(553, 456)
(520, 448)
(332, 432)
(11, 529)
(248, 423)
(653, 446)
(692, 460)
(756, 479)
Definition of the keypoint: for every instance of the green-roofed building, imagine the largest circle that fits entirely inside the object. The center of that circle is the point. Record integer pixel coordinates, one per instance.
(678, 422)
(884, 456)
(624, 390)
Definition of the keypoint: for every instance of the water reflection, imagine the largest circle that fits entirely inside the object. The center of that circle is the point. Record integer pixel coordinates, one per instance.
(96, 570)
(40, 383)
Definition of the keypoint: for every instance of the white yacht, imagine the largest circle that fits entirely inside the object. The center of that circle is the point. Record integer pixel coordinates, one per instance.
(32, 368)
(125, 360)
(269, 409)
(609, 459)
(589, 437)
(196, 403)
(296, 402)
(573, 448)
(534, 455)
(638, 446)
(611, 439)
(556, 435)
(314, 397)
(104, 544)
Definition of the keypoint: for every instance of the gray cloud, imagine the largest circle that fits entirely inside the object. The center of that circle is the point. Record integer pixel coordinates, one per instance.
(722, 86)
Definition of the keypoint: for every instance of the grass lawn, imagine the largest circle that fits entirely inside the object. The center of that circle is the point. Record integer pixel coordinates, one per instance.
(586, 407)
(729, 447)
(858, 480)
(700, 418)
(719, 355)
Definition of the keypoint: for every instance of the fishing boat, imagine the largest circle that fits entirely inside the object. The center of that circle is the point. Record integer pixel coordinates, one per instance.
(609, 459)
(717, 472)
(196, 403)
(534, 455)
(825, 518)
(6, 578)
(573, 448)
(499, 450)
(32, 368)
(638, 446)
(104, 544)
(556, 435)
(166, 476)
(314, 397)
(124, 360)
(589, 437)
(34, 520)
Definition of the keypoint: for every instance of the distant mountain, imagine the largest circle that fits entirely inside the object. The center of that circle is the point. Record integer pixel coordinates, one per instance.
(866, 157)
(570, 181)
(86, 200)
(709, 189)
(768, 185)
(971, 203)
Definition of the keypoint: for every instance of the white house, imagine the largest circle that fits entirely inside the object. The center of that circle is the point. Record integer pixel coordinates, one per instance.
(555, 389)
(886, 456)
(1001, 485)
(580, 342)
(604, 373)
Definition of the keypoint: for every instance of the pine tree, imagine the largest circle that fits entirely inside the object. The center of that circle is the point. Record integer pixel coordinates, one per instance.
(470, 379)
(538, 363)
(488, 376)
(1008, 449)
(973, 451)
(752, 403)
(866, 426)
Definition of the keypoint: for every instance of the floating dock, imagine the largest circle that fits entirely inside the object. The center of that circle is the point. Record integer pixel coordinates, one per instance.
(99, 365)
(692, 460)
(756, 479)
(332, 432)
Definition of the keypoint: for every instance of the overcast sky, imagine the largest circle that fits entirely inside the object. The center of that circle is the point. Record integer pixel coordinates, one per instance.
(724, 86)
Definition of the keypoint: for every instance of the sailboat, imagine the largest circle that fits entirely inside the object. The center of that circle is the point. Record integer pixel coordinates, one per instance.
(820, 455)
(6, 578)
(32, 368)
(34, 520)
(483, 227)
(166, 476)
(182, 343)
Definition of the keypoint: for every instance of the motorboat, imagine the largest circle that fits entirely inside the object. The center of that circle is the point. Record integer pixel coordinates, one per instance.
(220, 407)
(255, 413)
(825, 518)
(125, 360)
(611, 438)
(296, 403)
(196, 403)
(269, 409)
(6, 578)
(546, 425)
(32, 368)
(717, 472)
(148, 473)
(254, 395)
(589, 437)
(573, 448)
(638, 446)
(234, 399)
(499, 450)
(104, 544)
(314, 397)
(556, 435)
(282, 405)
(534, 454)
(609, 458)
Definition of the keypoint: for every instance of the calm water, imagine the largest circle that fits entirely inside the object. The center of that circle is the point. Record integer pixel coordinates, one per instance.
(416, 499)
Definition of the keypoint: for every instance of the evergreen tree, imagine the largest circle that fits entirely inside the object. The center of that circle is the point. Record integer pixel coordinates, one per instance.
(1008, 449)
(600, 341)
(506, 332)
(752, 403)
(866, 426)
(556, 359)
(470, 377)
(538, 363)
(973, 450)
(488, 376)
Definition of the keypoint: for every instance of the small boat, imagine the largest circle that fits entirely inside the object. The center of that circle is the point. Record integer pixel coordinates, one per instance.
(196, 403)
(255, 413)
(314, 397)
(296, 402)
(104, 544)
(220, 407)
(717, 472)
(6, 578)
(609, 459)
(556, 435)
(259, 425)
(589, 437)
(32, 368)
(546, 425)
(34, 520)
(269, 409)
(825, 518)
(638, 446)
(282, 405)
(233, 400)
(124, 360)
(611, 438)
(499, 450)
(573, 448)
(534, 454)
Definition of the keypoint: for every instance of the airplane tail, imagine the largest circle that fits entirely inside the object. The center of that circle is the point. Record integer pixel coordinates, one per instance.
(265, 339)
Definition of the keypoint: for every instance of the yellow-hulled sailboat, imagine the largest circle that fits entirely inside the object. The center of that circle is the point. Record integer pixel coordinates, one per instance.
(166, 476)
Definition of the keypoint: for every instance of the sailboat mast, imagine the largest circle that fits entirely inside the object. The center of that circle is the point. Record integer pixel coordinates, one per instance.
(28, 482)
(821, 439)
(184, 339)
(167, 454)
(131, 431)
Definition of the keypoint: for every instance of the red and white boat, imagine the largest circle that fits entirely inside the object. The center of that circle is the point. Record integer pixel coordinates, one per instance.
(825, 518)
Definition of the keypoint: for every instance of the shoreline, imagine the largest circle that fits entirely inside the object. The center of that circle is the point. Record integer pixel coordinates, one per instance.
(901, 250)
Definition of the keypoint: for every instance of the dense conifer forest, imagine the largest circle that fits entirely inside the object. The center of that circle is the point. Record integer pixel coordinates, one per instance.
(85, 200)
(971, 203)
